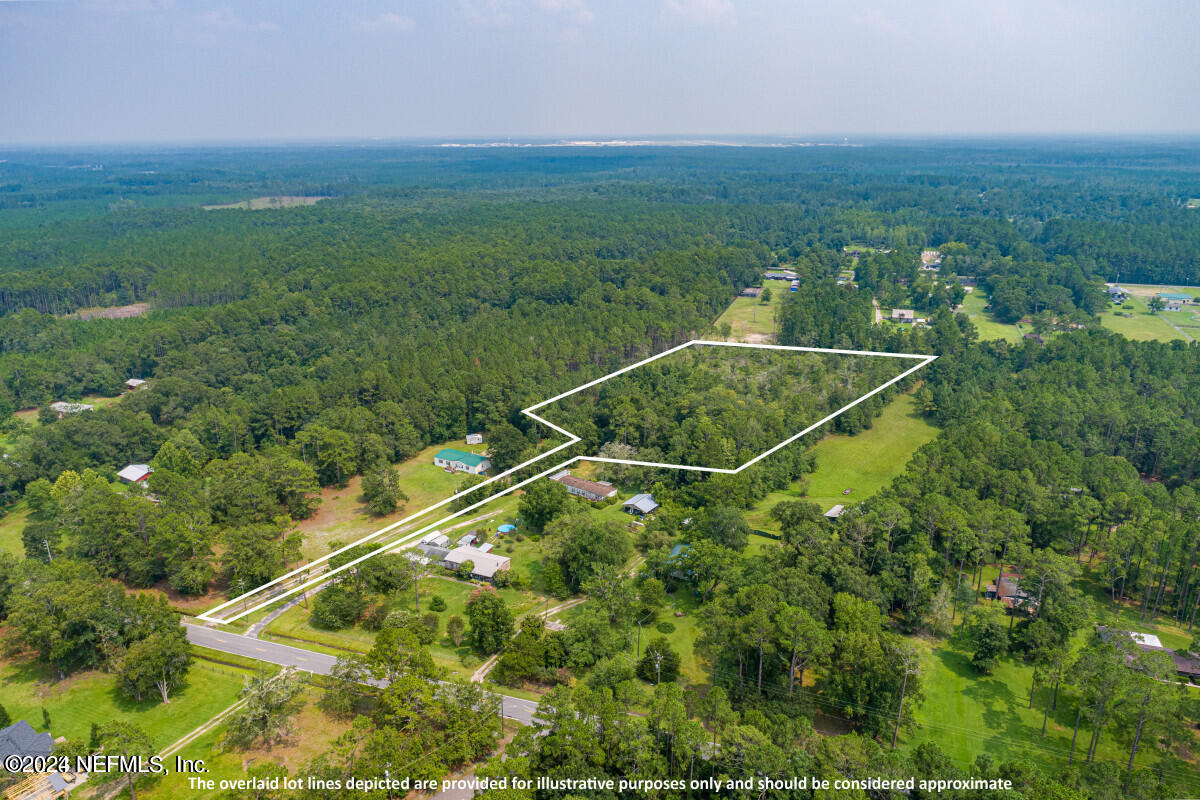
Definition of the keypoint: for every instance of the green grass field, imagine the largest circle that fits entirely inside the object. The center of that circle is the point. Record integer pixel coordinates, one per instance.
(26, 687)
(864, 463)
(1141, 326)
(11, 526)
(749, 316)
(314, 733)
(989, 329)
(966, 713)
(342, 517)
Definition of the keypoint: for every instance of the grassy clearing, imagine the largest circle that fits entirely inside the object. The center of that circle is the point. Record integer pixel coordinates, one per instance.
(26, 687)
(966, 713)
(1128, 615)
(683, 637)
(1140, 325)
(864, 463)
(973, 306)
(11, 526)
(342, 517)
(750, 319)
(314, 734)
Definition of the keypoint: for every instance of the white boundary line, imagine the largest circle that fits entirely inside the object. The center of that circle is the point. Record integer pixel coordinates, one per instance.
(571, 439)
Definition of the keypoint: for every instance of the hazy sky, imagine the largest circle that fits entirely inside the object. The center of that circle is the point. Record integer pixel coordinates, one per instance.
(189, 70)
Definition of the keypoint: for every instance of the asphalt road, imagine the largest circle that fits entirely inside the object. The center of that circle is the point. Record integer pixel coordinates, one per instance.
(514, 708)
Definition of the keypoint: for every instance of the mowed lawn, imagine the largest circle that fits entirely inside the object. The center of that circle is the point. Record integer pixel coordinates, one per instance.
(1133, 320)
(749, 316)
(973, 306)
(864, 463)
(342, 516)
(11, 526)
(26, 687)
(966, 713)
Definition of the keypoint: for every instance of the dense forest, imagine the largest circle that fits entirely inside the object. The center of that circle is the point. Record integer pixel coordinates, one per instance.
(436, 293)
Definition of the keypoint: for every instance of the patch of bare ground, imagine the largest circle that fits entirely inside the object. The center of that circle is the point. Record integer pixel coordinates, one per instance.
(759, 338)
(274, 201)
(111, 312)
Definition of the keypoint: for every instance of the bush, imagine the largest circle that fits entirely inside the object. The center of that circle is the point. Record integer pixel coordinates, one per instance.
(375, 616)
(428, 632)
(665, 627)
(436, 603)
(518, 537)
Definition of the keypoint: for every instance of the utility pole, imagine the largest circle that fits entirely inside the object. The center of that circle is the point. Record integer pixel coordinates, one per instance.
(910, 668)
(49, 555)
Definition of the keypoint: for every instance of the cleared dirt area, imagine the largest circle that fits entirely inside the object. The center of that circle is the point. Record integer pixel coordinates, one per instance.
(275, 201)
(111, 312)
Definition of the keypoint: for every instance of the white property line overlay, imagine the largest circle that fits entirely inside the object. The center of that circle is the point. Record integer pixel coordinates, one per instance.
(207, 616)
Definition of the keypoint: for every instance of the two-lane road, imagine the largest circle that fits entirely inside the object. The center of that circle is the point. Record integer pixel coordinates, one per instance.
(515, 708)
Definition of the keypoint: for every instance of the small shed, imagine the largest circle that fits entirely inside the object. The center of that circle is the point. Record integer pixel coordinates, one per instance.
(134, 383)
(834, 513)
(640, 504)
(474, 438)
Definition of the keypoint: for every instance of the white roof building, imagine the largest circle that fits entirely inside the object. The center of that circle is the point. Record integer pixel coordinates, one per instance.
(1148, 639)
(135, 473)
(134, 383)
(486, 564)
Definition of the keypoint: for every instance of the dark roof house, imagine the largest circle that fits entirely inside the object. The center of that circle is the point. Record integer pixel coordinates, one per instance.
(20, 739)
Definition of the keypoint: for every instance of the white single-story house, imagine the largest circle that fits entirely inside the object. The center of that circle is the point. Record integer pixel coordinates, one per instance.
(134, 473)
(461, 461)
(134, 383)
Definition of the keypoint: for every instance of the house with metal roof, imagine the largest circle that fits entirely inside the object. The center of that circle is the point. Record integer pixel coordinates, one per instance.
(640, 504)
(134, 473)
(581, 487)
(485, 565)
(834, 513)
(460, 461)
